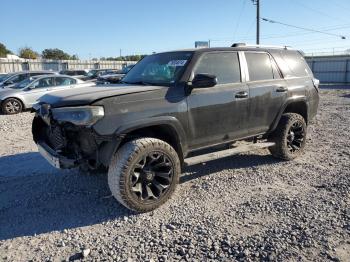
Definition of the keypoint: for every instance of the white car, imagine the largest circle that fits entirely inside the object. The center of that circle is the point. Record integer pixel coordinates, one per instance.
(18, 97)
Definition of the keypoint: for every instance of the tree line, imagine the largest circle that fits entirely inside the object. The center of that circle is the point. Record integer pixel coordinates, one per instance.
(58, 54)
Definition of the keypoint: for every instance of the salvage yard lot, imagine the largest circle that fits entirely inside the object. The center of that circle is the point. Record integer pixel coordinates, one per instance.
(247, 206)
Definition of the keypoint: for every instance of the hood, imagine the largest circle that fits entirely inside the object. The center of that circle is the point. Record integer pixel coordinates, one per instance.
(87, 95)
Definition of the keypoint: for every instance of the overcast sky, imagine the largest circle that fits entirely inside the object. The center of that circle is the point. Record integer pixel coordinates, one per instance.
(102, 28)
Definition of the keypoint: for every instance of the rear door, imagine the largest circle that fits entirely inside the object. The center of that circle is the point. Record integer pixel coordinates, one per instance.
(218, 114)
(267, 90)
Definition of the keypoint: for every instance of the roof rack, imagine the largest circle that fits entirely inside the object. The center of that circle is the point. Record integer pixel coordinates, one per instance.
(259, 46)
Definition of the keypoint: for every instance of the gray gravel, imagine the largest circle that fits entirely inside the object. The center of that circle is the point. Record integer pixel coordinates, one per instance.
(249, 207)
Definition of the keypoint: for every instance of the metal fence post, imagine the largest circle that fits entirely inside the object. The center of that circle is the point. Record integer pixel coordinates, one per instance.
(346, 71)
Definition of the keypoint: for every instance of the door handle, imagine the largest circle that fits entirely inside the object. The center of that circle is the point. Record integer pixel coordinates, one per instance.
(281, 89)
(242, 94)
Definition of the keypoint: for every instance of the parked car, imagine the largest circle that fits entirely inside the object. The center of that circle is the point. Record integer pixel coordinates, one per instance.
(3, 76)
(23, 95)
(95, 73)
(115, 77)
(79, 73)
(14, 78)
(169, 107)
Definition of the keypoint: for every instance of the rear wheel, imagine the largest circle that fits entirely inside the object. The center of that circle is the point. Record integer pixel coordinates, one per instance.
(143, 174)
(289, 137)
(11, 106)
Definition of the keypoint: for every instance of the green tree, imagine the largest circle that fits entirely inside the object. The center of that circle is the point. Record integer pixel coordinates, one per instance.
(56, 54)
(4, 51)
(28, 53)
(74, 57)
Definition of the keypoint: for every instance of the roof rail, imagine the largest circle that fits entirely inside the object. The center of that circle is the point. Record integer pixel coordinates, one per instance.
(259, 46)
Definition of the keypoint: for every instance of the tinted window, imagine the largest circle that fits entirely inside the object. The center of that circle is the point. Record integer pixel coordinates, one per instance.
(81, 72)
(225, 66)
(70, 73)
(37, 74)
(296, 63)
(44, 82)
(65, 81)
(276, 72)
(259, 66)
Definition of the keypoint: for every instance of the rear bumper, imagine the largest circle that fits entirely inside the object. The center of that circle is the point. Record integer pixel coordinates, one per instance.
(54, 158)
(313, 106)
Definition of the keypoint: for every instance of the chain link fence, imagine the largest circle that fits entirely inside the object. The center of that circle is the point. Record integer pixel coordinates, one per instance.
(10, 66)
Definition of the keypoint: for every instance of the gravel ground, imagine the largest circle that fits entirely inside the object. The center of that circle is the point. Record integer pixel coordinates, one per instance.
(248, 207)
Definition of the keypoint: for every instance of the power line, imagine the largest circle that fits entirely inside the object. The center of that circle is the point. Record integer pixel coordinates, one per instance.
(303, 28)
(316, 10)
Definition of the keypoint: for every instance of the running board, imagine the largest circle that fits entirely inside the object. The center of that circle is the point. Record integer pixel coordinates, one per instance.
(225, 153)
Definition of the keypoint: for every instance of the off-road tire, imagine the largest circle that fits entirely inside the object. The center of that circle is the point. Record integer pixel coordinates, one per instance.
(122, 163)
(280, 135)
(5, 109)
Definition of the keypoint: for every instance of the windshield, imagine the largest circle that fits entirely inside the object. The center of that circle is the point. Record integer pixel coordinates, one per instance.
(159, 69)
(23, 83)
(93, 73)
(3, 77)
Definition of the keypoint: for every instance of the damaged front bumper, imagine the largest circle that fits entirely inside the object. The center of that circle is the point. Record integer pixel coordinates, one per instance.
(54, 158)
(66, 145)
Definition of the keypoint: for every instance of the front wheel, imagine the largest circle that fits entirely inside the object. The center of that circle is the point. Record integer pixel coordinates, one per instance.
(143, 174)
(289, 137)
(11, 106)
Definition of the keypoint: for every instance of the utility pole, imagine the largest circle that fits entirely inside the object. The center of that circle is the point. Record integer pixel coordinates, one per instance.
(257, 3)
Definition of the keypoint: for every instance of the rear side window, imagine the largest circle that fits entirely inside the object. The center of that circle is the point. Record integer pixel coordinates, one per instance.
(225, 66)
(296, 63)
(65, 81)
(259, 66)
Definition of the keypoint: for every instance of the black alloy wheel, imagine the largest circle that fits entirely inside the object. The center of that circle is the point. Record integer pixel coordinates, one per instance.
(295, 137)
(152, 176)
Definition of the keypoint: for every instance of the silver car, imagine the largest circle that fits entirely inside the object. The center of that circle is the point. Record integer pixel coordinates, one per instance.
(21, 96)
(15, 78)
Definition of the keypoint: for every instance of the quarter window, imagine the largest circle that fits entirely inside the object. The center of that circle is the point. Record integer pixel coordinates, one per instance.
(259, 66)
(225, 66)
(296, 64)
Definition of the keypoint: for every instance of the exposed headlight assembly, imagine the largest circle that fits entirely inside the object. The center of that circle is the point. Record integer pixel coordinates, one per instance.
(80, 116)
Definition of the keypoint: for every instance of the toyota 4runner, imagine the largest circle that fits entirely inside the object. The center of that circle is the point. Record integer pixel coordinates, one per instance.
(171, 105)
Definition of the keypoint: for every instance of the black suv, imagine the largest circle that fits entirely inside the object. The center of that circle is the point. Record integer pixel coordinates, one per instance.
(171, 105)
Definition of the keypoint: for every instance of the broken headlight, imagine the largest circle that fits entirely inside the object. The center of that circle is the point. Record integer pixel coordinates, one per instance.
(80, 115)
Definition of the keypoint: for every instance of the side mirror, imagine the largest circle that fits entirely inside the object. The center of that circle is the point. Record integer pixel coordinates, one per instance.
(204, 81)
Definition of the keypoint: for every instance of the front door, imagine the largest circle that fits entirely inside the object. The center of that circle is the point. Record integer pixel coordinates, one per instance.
(38, 89)
(218, 114)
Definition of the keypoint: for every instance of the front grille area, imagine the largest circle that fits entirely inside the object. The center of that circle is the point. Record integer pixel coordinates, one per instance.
(55, 137)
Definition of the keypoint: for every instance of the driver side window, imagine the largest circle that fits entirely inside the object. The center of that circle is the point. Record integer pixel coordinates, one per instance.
(225, 66)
